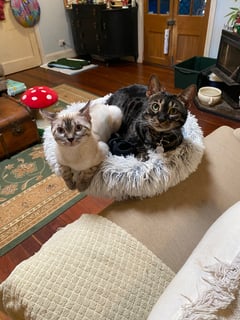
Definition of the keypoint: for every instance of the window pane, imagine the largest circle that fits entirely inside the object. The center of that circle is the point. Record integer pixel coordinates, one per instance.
(194, 7)
(184, 7)
(164, 6)
(199, 7)
(152, 6)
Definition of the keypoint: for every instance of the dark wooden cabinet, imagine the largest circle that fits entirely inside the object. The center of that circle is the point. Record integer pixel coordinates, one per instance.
(104, 33)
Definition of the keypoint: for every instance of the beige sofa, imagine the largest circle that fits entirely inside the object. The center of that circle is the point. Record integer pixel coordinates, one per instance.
(172, 224)
(135, 261)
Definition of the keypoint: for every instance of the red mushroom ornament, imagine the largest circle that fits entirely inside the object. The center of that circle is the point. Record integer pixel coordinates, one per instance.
(39, 97)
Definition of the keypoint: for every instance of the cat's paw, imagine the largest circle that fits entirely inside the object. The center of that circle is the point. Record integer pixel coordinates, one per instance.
(84, 178)
(67, 176)
(71, 185)
(83, 184)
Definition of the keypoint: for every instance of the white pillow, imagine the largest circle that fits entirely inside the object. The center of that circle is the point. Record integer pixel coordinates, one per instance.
(217, 250)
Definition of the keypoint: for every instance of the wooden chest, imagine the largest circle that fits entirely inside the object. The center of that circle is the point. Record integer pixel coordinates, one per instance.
(18, 128)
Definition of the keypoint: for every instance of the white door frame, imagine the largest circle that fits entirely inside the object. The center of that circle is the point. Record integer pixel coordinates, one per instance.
(210, 27)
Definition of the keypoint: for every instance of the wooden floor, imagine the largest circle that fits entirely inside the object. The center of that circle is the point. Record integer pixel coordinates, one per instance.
(100, 81)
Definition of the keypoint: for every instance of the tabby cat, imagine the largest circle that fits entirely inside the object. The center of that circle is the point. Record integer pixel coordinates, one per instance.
(152, 118)
(81, 138)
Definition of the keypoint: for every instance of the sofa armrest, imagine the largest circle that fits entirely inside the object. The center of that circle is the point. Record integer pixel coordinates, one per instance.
(219, 246)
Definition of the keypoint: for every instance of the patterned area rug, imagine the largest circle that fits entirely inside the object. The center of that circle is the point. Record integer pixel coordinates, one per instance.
(70, 94)
(30, 195)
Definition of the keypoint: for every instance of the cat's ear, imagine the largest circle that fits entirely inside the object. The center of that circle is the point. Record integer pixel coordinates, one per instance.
(154, 85)
(50, 116)
(85, 111)
(188, 94)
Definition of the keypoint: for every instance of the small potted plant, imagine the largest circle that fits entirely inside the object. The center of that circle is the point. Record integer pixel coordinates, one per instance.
(234, 19)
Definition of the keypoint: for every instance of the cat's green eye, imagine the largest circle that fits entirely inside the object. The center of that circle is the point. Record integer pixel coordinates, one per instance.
(155, 107)
(173, 111)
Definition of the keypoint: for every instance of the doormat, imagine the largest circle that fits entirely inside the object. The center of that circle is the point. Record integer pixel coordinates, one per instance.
(69, 71)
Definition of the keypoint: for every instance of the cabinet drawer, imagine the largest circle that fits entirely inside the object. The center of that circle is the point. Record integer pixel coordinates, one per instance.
(87, 10)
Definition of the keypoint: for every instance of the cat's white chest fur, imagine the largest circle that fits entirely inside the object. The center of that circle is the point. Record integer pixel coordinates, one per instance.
(84, 156)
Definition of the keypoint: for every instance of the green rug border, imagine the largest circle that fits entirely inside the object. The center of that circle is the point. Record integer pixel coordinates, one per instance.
(12, 244)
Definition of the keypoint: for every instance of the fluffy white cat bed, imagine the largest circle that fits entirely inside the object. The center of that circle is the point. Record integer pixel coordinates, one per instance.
(126, 177)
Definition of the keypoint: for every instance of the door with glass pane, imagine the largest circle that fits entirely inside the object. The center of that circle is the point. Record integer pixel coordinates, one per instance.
(174, 30)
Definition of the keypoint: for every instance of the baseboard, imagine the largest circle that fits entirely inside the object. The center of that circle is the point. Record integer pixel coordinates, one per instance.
(66, 53)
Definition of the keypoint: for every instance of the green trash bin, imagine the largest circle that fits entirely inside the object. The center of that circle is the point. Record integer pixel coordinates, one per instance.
(191, 71)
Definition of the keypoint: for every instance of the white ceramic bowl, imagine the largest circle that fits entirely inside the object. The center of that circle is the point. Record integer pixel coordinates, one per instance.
(209, 95)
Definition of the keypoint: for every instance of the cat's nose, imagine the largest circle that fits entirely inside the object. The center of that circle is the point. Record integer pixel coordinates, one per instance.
(70, 139)
(161, 119)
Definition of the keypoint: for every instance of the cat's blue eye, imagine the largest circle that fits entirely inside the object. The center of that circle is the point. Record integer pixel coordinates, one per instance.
(60, 130)
(78, 127)
(155, 107)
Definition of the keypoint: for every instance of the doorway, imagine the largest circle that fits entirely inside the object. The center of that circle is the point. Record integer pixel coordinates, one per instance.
(19, 49)
(174, 30)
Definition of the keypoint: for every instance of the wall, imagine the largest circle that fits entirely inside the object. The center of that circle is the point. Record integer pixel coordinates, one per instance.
(222, 8)
(54, 25)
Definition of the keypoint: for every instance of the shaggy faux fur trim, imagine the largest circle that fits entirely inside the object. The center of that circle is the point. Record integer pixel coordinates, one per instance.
(223, 281)
(121, 178)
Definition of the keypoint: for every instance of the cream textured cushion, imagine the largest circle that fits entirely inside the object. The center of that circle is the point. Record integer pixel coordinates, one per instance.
(91, 269)
(216, 259)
